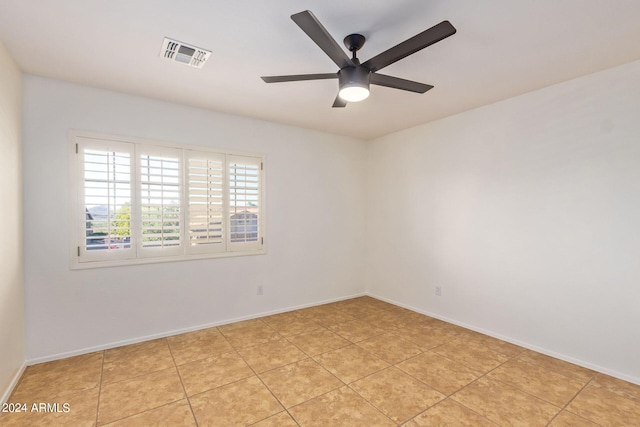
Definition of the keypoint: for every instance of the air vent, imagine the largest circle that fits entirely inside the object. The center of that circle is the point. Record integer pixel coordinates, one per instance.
(176, 51)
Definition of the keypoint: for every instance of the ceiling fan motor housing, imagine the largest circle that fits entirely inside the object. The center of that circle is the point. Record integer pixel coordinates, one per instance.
(354, 76)
(354, 83)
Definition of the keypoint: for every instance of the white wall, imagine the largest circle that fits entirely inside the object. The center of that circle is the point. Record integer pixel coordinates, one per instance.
(527, 213)
(12, 347)
(315, 201)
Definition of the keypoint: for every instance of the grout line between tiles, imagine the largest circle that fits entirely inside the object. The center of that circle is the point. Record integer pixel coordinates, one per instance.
(266, 386)
(557, 371)
(297, 361)
(372, 404)
(347, 386)
(138, 376)
(165, 404)
(184, 389)
(564, 408)
(447, 396)
(142, 412)
(100, 386)
(525, 391)
(472, 382)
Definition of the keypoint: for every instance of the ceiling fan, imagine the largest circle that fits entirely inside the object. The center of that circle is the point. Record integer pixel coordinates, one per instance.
(353, 77)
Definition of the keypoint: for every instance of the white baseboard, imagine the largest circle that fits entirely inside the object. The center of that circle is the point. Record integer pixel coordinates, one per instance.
(551, 353)
(14, 382)
(136, 340)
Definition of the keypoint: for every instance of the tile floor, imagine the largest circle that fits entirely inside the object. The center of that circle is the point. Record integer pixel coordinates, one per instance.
(360, 362)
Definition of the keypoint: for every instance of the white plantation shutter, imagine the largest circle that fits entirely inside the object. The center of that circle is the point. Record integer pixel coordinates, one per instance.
(136, 202)
(205, 196)
(106, 172)
(159, 201)
(244, 205)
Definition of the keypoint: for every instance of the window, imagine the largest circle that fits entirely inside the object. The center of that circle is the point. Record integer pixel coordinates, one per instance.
(140, 202)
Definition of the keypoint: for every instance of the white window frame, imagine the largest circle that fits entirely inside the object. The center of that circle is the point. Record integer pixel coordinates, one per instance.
(136, 254)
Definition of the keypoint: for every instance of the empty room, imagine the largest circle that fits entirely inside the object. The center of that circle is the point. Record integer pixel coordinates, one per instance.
(304, 213)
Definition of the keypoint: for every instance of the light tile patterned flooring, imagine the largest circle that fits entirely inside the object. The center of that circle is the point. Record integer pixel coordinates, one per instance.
(360, 362)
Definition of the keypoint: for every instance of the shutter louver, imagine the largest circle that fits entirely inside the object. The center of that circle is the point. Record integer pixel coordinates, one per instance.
(205, 187)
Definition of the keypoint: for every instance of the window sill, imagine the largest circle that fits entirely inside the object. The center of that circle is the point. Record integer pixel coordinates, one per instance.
(76, 265)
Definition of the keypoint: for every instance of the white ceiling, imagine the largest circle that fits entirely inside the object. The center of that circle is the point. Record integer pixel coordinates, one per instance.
(502, 48)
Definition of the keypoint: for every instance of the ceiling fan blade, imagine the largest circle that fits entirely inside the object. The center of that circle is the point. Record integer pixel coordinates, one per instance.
(314, 29)
(426, 38)
(398, 83)
(299, 77)
(339, 102)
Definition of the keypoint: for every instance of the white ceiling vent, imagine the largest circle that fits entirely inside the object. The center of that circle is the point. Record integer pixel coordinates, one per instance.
(176, 51)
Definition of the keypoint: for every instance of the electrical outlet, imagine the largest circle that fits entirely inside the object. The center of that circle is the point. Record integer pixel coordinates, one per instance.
(260, 290)
(439, 291)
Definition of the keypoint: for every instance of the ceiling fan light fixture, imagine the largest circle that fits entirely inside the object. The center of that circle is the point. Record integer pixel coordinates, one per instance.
(354, 93)
(354, 84)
